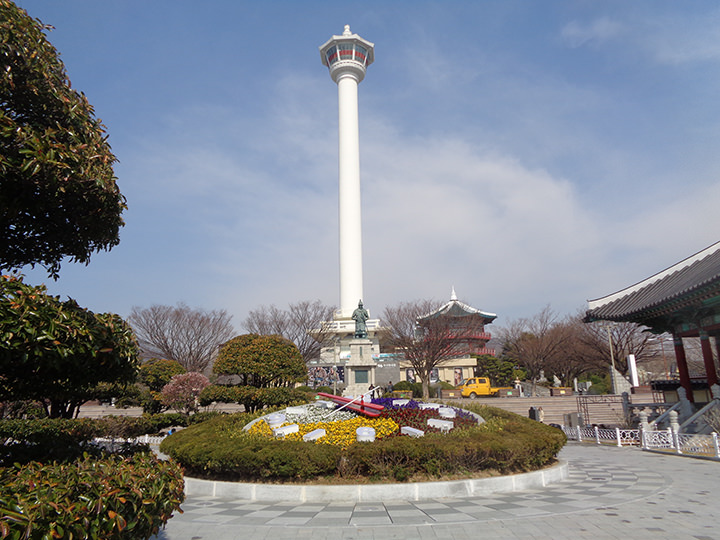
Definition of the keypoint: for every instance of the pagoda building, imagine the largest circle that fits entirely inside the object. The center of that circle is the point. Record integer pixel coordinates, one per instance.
(467, 329)
(467, 326)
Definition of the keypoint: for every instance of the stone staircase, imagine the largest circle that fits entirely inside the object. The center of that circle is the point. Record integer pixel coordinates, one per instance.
(554, 408)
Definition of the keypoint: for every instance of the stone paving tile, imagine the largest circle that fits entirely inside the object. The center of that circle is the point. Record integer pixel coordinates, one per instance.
(610, 493)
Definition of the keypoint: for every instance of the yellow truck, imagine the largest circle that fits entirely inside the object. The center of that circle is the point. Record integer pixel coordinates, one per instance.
(480, 386)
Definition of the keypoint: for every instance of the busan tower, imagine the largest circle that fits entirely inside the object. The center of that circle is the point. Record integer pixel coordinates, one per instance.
(347, 58)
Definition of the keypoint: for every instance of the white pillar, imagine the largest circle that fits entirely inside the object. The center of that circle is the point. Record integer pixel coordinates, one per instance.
(633, 370)
(347, 57)
(350, 220)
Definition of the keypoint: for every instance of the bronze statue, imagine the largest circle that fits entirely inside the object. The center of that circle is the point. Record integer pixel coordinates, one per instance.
(360, 316)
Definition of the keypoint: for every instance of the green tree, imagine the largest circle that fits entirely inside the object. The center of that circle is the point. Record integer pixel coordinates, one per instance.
(58, 196)
(500, 372)
(57, 352)
(261, 361)
(157, 372)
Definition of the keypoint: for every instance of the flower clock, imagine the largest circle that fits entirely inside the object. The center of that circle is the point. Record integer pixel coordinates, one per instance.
(324, 422)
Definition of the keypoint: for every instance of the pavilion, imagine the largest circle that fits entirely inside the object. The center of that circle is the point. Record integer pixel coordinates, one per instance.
(467, 326)
(684, 301)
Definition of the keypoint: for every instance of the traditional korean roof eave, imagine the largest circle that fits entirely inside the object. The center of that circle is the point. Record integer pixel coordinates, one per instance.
(688, 285)
(456, 308)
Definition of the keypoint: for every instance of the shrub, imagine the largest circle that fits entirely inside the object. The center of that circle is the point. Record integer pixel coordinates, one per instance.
(125, 395)
(252, 398)
(110, 498)
(261, 360)
(63, 439)
(219, 448)
(416, 388)
(506, 442)
(55, 351)
(157, 372)
(46, 438)
(183, 391)
(22, 409)
(402, 385)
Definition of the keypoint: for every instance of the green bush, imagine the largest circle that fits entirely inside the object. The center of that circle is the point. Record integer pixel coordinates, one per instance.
(67, 439)
(44, 439)
(219, 448)
(415, 387)
(125, 395)
(325, 389)
(262, 361)
(505, 443)
(252, 398)
(402, 385)
(157, 372)
(22, 409)
(110, 498)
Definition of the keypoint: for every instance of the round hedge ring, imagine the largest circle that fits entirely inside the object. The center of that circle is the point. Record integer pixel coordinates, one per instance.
(413, 441)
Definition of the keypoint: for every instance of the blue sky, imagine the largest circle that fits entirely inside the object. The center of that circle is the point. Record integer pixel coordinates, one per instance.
(526, 153)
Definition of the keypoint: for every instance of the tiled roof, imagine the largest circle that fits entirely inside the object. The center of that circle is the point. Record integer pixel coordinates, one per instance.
(691, 279)
(456, 308)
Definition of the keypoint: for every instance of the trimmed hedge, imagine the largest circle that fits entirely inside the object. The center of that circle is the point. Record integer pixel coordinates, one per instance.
(252, 398)
(67, 439)
(83, 429)
(505, 443)
(109, 498)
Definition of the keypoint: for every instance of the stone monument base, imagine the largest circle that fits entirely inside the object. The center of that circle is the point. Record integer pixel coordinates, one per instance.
(360, 368)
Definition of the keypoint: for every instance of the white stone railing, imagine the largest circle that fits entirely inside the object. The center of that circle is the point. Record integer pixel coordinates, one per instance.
(667, 440)
(692, 444)
(617, 436)
(143, 439)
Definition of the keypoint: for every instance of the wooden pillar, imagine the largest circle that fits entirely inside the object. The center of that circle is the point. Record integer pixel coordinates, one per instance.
(707, 353)
(682, 367)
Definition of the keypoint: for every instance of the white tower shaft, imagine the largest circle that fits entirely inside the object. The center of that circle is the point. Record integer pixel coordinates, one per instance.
(347, 57)
(351, 275)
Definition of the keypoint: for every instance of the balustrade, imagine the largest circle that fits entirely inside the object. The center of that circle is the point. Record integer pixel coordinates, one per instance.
(669, 440)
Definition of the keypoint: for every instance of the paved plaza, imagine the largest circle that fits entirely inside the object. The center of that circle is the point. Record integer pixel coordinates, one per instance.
(610, 493)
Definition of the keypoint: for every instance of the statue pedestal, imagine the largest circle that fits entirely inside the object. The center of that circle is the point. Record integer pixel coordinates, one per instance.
(360, 368)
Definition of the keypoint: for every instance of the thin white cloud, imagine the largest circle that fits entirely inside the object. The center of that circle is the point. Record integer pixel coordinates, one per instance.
(681, 40)
(577, 34)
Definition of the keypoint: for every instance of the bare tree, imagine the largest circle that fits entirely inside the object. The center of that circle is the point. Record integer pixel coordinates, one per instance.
(426, 342)
(303, 323)
(189, 336)
(534, 342)
(569, 348)
(576, 357)
(626, 338)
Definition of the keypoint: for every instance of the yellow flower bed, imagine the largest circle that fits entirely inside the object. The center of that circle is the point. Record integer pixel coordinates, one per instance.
(342, 433)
